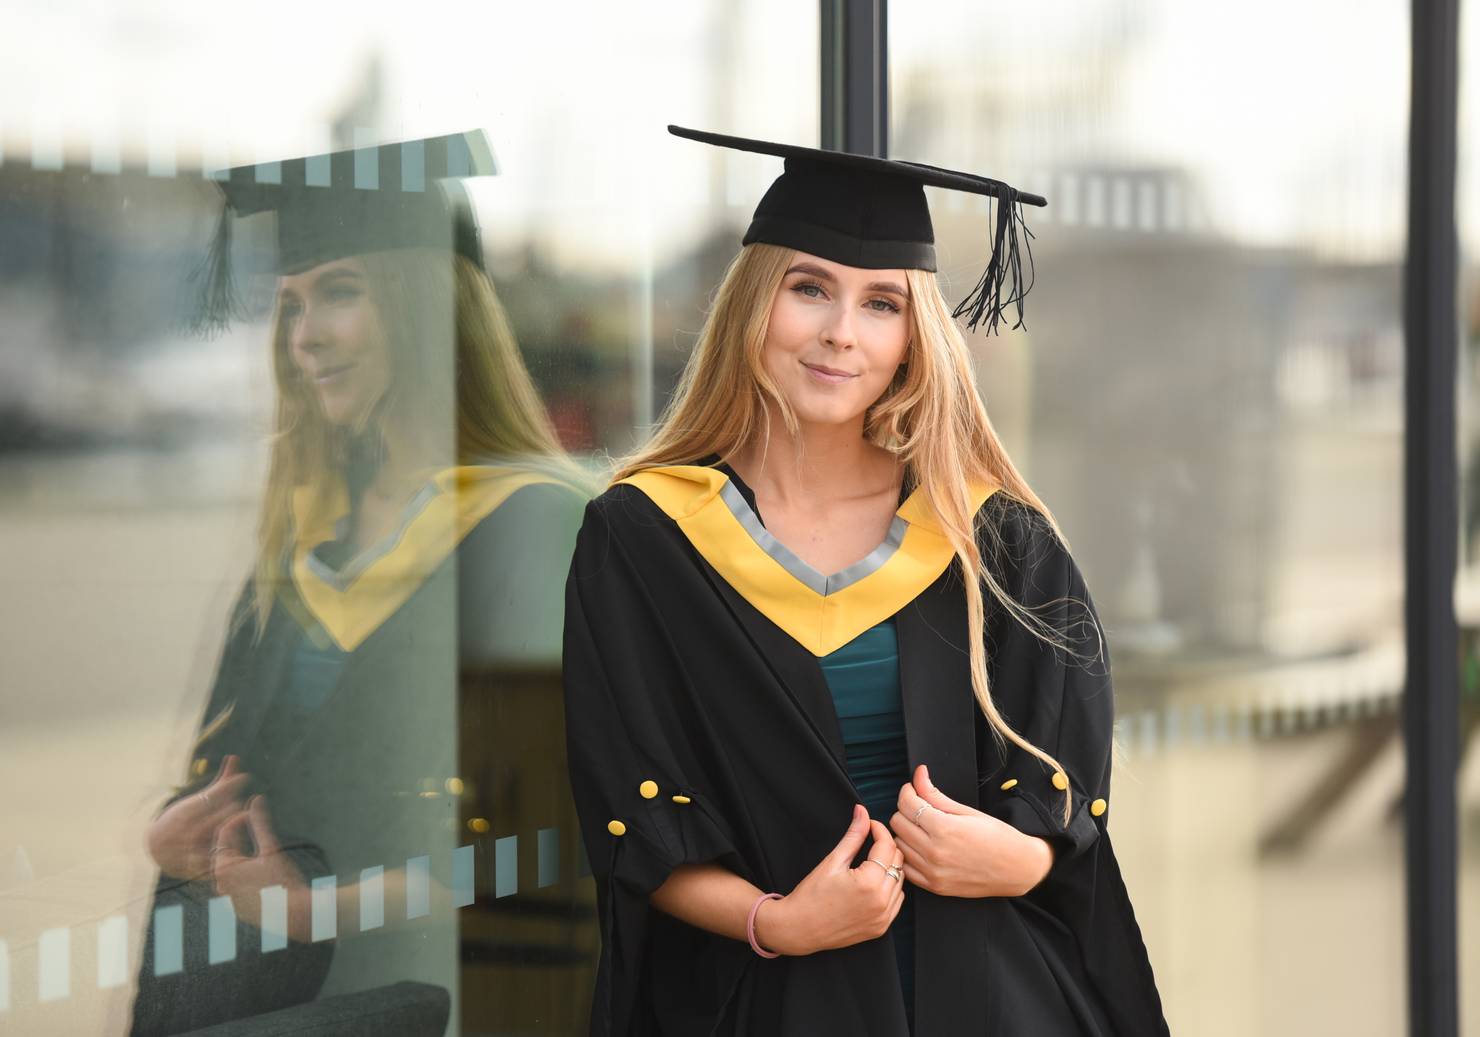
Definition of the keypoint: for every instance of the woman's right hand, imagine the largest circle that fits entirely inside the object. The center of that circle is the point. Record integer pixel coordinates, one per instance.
(180, 839)
(837, 905)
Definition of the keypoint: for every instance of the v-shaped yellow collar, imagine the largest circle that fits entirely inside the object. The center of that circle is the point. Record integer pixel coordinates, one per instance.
(353, 603)
(821, 612)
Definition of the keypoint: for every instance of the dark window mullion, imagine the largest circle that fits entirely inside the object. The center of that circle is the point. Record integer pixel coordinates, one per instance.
(1431, 700)
(854, 66)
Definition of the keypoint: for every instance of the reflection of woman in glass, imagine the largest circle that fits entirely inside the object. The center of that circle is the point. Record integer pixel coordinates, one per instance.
(416, 523)
(831, 673)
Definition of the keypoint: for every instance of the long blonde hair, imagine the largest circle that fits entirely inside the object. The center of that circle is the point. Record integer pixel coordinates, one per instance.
(931, 417)
(427, 299)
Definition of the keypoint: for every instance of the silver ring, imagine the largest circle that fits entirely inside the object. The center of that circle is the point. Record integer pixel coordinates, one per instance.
(923, 807)
(889, 869)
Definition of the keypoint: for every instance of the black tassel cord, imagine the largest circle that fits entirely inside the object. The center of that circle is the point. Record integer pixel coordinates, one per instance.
(216, 303)
(993, 294)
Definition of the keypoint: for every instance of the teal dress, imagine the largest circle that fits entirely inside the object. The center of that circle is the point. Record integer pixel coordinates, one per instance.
(863, 677)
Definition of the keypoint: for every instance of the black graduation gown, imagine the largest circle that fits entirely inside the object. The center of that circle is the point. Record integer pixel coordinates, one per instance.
(674, 676)
(374, 776)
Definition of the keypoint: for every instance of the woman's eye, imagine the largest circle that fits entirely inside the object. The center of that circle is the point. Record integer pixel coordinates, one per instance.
(343, 294)
(291, 310)
(883, 306)
(807, 288)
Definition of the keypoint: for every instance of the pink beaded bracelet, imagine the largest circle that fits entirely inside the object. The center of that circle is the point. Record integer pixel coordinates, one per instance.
(750, 925)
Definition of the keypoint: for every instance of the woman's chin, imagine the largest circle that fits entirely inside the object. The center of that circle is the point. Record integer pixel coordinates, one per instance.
(341, 413)
(824, 416)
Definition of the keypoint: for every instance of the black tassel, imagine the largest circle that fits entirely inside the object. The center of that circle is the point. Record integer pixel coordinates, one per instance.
(216, 303)
(987, 300)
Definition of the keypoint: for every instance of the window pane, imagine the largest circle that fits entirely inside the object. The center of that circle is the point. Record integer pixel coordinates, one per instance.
(1208, 396)
(399, 709)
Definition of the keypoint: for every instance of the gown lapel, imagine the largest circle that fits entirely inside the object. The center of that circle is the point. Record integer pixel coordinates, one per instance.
(795, 669)
(935, 685)
(940, 726)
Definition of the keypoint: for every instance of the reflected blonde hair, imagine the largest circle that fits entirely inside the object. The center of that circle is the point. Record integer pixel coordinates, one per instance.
(427, 300)
(931, 417)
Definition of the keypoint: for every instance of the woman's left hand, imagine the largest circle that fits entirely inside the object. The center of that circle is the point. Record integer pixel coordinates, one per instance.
(957, 851)
(243, 875)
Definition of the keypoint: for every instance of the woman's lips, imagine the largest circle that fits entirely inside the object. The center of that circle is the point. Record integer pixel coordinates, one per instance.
(827, 375)
(329, 375)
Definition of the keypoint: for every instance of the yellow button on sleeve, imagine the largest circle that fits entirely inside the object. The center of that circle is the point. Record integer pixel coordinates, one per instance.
(1098, 807)
(1060, 780)
(682, 799)
(649, 789)
(1010, 783)
(616, 828)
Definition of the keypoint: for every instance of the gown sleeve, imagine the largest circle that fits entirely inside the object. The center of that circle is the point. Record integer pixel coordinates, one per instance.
(633, 763)
(1061, 700)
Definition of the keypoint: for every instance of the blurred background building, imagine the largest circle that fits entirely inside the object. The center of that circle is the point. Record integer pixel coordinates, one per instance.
(1208, 395)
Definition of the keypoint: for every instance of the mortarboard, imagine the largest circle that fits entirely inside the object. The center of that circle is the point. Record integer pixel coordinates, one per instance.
(870, 212)
(346, 203)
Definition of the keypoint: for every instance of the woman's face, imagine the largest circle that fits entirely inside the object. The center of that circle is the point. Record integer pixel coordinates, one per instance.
(336, 338)
(837, 335)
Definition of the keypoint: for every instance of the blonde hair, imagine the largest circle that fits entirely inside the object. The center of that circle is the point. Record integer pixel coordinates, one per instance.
(931, 417)
(426, 299)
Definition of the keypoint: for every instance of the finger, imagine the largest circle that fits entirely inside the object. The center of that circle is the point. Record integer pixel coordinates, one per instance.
(897, 901)
(916, 877)
(915, 859)
(926, 790)
(881, 852)
(883, 838)
(228, 794)
(230, 764)
(227, 849)
(218, 793)
(852, 840)
(926, 820)
(904, 828)
(896, 897)
(262, 831)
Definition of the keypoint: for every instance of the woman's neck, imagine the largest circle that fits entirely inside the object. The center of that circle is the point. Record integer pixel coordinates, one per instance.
(404, 461)
(823, 462)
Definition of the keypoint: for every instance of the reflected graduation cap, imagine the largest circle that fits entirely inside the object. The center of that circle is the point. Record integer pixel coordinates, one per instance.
(870, 212)
(344, 203)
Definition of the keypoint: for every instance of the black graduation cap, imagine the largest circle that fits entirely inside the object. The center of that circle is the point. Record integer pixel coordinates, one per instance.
(345, 203)
(871, 212)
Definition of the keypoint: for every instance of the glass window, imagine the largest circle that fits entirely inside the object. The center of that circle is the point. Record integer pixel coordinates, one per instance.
(316, 554)
(1207, 394)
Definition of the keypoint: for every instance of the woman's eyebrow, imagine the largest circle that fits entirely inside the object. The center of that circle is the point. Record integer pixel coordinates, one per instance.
(873, 286)
(336, 274)
(813, 269)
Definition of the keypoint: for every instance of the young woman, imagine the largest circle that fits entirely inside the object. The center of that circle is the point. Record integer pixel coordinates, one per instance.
(417, 519)
(838, 702)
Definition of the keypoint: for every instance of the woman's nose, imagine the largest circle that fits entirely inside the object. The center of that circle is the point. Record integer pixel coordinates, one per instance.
(304, 336)
(838, 331)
